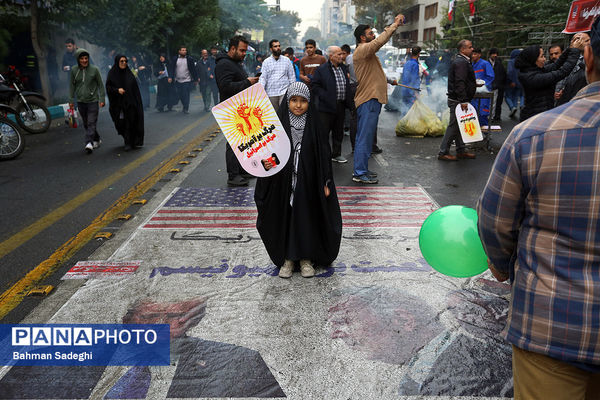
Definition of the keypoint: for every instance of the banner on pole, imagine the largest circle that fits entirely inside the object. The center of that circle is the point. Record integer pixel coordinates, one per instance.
(582, 15)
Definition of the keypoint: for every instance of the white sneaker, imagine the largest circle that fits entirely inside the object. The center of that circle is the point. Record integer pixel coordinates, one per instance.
(286, 269)
(89, 148)
(97, 144)
(306, 269)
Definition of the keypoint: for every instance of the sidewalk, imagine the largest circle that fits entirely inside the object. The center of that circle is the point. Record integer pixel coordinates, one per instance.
(377, 324)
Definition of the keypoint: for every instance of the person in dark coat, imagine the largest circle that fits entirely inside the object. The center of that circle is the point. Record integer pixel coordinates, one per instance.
(208, 85)
(164, 91)
(143, 73)
(498, 84)
(126, 109)
(566, 89)
(299, 216)
(331, 87)
(461, 89)
(514, 90)
(539, 80)
(231, 79)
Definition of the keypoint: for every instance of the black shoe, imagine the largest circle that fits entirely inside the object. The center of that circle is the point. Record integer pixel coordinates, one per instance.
(376, 150)
(160, 110)
(237, 181)
(127, 147)
(246, 175)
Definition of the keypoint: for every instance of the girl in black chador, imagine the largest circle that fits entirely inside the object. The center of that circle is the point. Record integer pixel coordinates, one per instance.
(299, 217)
(125, 108)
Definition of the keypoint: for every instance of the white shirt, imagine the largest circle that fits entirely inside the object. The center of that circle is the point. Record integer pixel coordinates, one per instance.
(182, 74)
(277, 75)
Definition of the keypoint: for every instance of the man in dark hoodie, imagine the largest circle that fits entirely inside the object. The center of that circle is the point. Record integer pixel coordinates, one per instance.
(86, 84)
(232, 79)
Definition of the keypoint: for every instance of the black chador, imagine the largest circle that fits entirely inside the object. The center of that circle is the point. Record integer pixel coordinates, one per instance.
(126, 110)
(296, 221)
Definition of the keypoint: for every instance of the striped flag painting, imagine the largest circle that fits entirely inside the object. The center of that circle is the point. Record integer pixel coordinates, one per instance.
(225, 208)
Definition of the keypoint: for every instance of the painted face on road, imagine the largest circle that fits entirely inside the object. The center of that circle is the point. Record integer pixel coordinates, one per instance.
(298, 105)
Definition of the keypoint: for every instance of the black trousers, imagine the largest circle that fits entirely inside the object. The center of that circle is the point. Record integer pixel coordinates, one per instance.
(234, 168)
(499, 101)
(334, 123)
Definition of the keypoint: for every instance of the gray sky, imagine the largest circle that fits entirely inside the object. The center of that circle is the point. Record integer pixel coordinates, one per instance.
(308, 10)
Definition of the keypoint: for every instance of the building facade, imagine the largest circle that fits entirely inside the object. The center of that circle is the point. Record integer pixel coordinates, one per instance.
(337, 17)
(423, 21)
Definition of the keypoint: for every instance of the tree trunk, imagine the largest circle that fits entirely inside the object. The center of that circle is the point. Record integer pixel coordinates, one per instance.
(40, 50)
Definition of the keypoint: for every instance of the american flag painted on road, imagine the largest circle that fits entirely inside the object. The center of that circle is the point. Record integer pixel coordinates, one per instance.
(222, 208)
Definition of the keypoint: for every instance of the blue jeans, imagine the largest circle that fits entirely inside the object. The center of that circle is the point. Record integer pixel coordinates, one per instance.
(513, 96)
(368, 116)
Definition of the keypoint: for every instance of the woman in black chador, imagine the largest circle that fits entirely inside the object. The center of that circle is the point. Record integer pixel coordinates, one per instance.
(299, 218)
(125, 108)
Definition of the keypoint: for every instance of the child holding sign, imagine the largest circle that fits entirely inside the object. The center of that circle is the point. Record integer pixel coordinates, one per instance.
(299, 218)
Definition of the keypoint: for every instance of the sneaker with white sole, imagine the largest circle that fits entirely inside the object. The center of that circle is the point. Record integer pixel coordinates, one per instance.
(339, 159)
(89, 148)
(364, 179)
(286, 269)
(97, 143)
(306, 269)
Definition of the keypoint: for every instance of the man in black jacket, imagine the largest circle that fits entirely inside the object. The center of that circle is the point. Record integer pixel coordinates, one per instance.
(232, 79)
(186, 76)
(499, 82)
(331, 87)
(461, 89)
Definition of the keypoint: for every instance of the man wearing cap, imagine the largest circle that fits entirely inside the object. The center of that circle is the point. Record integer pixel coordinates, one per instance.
(539, 225)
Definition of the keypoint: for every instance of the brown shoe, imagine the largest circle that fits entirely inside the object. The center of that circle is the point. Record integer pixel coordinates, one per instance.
(447, 157)
(466, 156)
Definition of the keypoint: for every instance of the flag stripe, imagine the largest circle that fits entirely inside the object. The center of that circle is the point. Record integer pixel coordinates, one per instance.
(216, 208)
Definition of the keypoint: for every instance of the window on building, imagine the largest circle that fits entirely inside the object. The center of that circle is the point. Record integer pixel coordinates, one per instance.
(431, 11)
(428, 34)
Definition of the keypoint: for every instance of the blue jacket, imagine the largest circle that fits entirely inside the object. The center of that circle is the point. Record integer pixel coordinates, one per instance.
(410, 77)
(324, 88)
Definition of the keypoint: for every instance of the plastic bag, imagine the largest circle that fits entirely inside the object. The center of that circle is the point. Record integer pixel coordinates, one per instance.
(419, 121)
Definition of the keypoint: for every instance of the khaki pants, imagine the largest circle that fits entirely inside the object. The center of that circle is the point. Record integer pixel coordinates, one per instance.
(537, 376)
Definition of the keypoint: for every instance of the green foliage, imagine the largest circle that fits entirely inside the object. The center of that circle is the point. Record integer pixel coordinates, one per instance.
(379, 13)
(312, 32)
(235, 15)
(505, 24)
(282, 26)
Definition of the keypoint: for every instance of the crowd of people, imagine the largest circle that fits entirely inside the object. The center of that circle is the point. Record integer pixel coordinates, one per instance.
(537, 214)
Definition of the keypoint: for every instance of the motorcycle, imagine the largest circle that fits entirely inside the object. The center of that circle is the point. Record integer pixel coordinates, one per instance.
(31, 112)
(11, 140)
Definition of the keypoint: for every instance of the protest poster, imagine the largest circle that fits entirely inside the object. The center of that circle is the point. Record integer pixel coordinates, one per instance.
(254, 132)
(468, 123)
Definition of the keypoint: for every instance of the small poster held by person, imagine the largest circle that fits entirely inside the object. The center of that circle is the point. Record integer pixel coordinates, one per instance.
(468, 123)
(252, 128)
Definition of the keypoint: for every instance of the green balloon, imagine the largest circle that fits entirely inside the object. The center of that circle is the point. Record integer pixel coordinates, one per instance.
(449, 242)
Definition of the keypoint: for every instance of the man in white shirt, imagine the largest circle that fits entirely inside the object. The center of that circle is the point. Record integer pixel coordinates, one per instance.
(277, 74)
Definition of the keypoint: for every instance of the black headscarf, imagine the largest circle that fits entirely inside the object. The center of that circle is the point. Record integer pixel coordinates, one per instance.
(128, 104)
(528, 57)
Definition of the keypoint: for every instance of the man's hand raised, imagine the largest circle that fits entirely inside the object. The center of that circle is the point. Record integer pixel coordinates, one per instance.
(399, 19)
